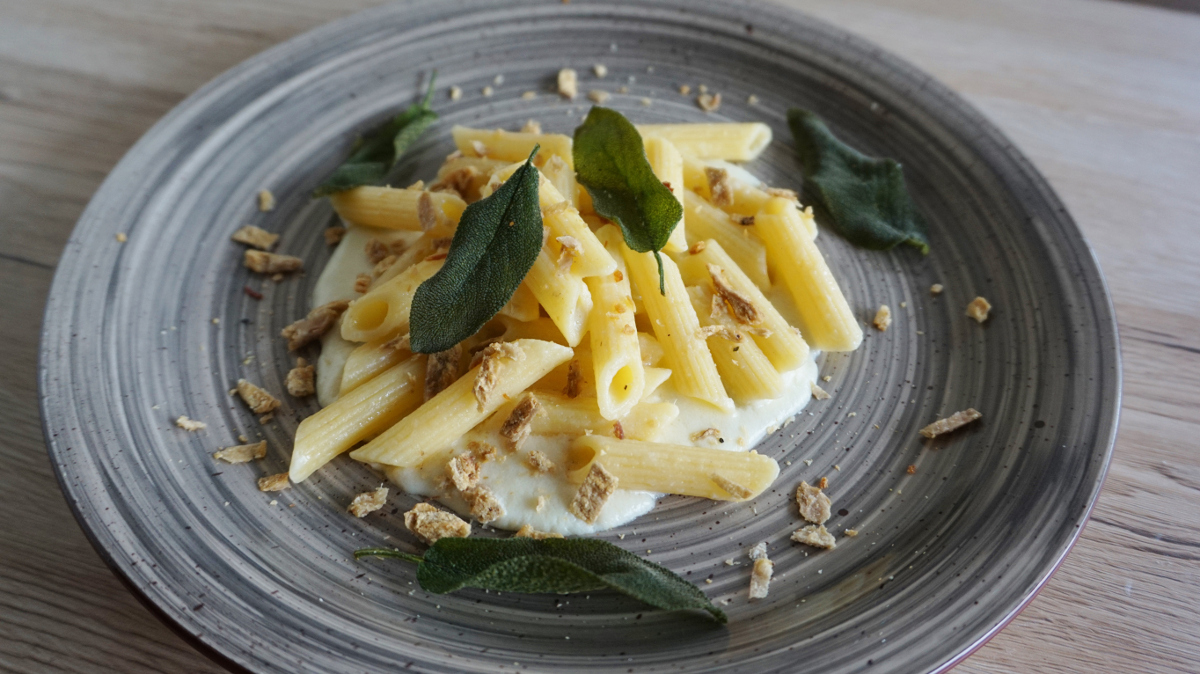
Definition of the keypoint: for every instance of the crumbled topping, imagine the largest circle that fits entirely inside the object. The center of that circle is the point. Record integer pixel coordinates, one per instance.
(574, 379)
(484, 505)
(730, 487)
(333, 235)
(427, 214)
(710, 330)
(706, 433)
(483, 451)
(746, 221)
(489, 368)
(708, 102)
(759, 551)
(263, 262)
(593, 493)
(463, 471)
(698, 247)
(532, 126)
(455, 93)
(618, 430)
(301, 380)
(479, 148)
(850, 533)
(719, 186)
(383, 265)
(255, 236)
(911, 470)
(883, 318)
(818, 392)
(601, 70)
(520, 423)
(368, 502)
(441, 369)
(740, 306)
(814, 504)
(362, 283)
(258, 400)
(266, 201)
(936, 289)
(599, 95)
(752, 100)
(121, 238)
(190, 424)
(376, 250)
(684, 89)
(487, 90)
(951, 423)
(400, 343)
(568, 83)
(541, 503)
(458, 181)
(571, 249)
(816, 536)
(823, 483)
(978, 309)
(277, 482)
(783, 192)
(242, 453)
(527, 531)
(431, 524)
(760, 578)
(316, 323)
(540, 462)
(703, 88)
(529, 95)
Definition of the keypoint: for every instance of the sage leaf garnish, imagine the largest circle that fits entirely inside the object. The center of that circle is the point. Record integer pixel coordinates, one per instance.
(495, 245)
(558, 565)
(382, 148)
(610, 161)
(862, 198)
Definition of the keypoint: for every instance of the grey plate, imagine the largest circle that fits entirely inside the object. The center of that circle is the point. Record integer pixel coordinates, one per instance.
(265, 582)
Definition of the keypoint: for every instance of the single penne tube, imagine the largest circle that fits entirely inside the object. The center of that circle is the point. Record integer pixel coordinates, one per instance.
(674, 323)
(539, 328)
(427, 433)
(512, 146)
(562, 177)
(706, 221)
(719, 474)
(392, 208)
(578, 370)
(564, 296)
(731, 141)
(523, 306)
(655, 377)
(368, 360)
(781, 342)
(358, 415)
(652, 351)
(616, 354)
(385, 309)
(827, 320)
(667, 165)
(747, 373)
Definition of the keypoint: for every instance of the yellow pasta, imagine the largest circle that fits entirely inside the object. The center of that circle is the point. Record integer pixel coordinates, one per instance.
(730, 141)
(747, 373)
(469, 174)
(667, 165)
(828, 322)
(674, 469)
(705, 221)
(781, 343)
(392, 208)
(539, 328)
(427, 433)
(368, 360)
(512, 146)
(616, 355)
(523, 306)
(655, 377)
(358, 415)
(384, 310)
(562, 177)
(564, 296)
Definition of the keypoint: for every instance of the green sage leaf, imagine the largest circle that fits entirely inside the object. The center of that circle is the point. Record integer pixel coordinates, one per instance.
(610, 161)
(558, 565)
(862, 198)
(382, 148)
(495, 245)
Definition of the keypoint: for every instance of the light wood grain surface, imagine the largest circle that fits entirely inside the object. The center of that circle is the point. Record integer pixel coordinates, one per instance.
(1103, 96)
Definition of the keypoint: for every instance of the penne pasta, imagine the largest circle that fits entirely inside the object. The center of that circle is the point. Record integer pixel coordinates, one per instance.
(427, 433)
(747, 374)
(652, 351)
(706, 221)
(384, 310)
(828, 322)
(731, 141)
(616, 354)
(523, 306)
(512, 146)
(674, 469)
(667, 165)
(565, 297)
(368, 360)
(392, 208)
(358, 415)
(562, 177)
(655, 377)
(540, 328)
(561, 415)
(468, 174)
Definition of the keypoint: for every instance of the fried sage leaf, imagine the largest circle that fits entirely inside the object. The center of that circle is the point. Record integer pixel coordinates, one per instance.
(495, 245)
(610, 161)
(558, 565)
(862, 198)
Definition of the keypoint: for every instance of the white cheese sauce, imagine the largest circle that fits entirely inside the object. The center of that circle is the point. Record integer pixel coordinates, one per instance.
(541, 500)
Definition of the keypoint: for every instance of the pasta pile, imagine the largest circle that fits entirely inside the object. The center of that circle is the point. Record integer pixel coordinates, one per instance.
(588, 334)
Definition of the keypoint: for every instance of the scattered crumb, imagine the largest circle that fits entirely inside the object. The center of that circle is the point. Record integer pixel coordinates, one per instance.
(760, 578)
(574, 379)
(759, 551)
(978, 309)
(783, 192)
(463, 471)
(529, 95)
(455, 93)
(730, 487)
(368, 502)
(263, 262)
(541, 503)
(598, 96)
(266, 418)
(883, 318)
(487, 90)
(431, 524)
(333, 235)
(740, 306)
(618, 430)
(601, 70)
(647, 102)
(936, 289)
(242, 453)
(479, 148)
(539, 462)
(441, 369)
(746, 221)
(121, 238)
(258, 400)
(568, 83)
(698, 247)
(527, 531)
(316, 323)
(816, 536)
(593, 493)
(489, 368)
(571, 249)
(519, 424)
(427, 214)
(362, 283)
(266, 201)
(301, 380)
(703, 88)
(814, 504)
(376, 250)
(752, 100)
(706, 433)
(400, 343)
(950, 423)
(483, 451)
(190, 424)
(719, 185)
(911, 470)
(534, 126)
(819, 393)
(498, 80)
(277, 482)
(484, 505)
(850, 533)
(684, 89)
(708, 102)
(827, 378)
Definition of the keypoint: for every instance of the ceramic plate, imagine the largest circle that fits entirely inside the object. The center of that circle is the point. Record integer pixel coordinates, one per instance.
(139, 333)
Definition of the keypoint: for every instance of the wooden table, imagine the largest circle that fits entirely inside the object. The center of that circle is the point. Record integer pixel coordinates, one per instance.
(1103, 96)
